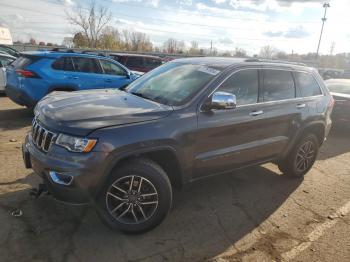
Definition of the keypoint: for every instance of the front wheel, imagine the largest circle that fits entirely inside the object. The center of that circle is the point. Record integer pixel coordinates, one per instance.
(136, 198)
(302, 157)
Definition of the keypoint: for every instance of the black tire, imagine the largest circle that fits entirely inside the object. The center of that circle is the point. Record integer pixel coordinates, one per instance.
(155, 187)
(297, 164)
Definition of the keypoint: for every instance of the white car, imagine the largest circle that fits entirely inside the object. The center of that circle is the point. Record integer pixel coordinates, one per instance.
(5, 60)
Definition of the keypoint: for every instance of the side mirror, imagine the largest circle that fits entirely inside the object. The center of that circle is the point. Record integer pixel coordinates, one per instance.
(1, 65)
(222, 101)
(128, 74)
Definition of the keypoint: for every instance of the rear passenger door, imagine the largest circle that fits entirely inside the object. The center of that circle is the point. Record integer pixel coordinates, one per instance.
(310, 94)
(114, 75)
(281, 108)
(87, 73)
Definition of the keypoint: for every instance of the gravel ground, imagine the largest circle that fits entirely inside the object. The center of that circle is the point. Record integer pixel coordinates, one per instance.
(256, 214)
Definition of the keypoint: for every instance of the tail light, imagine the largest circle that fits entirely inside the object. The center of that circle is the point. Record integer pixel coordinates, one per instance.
(26, 73)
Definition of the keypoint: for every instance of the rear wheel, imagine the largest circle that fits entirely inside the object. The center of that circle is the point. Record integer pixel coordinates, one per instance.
(136, 198)
(302, 157)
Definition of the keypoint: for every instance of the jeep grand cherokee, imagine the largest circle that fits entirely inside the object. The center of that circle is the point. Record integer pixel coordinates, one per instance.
(188, 119)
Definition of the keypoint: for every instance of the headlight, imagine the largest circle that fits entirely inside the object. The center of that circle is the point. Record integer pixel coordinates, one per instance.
(76, 144)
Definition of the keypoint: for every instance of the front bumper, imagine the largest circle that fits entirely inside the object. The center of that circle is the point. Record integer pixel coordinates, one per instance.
(84, 170)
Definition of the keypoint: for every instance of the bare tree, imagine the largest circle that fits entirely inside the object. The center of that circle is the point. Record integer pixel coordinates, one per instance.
(240, 52)
(267, 51)
(91, 21)
(140, 42)
(173, 46)
(194, 50)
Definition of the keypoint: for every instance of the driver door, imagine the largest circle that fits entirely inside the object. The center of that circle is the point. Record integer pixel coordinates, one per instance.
(227, 139)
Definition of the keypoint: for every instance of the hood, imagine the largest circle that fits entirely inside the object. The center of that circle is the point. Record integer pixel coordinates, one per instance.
(79, 113)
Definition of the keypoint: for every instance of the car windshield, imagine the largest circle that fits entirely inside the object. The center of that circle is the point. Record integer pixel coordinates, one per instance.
(173, 83)
(339, 87)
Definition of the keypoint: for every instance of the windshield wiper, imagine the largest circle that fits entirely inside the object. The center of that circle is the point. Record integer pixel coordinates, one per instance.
(142, 95)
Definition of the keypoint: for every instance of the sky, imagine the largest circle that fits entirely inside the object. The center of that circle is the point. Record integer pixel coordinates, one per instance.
(249, 24)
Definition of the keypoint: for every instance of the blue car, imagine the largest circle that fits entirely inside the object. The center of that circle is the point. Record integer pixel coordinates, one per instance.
(35, 74)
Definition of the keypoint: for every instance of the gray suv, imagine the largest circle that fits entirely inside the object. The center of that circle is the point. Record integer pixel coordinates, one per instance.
(124, 150)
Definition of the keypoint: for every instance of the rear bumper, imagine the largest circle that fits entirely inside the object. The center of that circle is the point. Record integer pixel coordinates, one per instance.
(83, 169)
(19, 96)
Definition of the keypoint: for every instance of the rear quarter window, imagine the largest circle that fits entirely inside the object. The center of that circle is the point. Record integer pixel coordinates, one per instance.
(307, 84)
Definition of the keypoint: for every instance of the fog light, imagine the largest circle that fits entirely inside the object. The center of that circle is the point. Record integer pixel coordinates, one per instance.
(60, 178)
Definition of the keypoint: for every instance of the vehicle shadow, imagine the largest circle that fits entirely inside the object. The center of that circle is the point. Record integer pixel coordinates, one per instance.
(337, 143)
(207, 218)
(11, 119)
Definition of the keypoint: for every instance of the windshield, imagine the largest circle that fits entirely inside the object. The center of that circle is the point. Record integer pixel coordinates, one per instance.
(173, 83)
(339, 87)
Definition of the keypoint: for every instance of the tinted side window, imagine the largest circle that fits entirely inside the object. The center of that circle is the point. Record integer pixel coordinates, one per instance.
(134, 61)
(307, 84)
(63, 63)
(278, 85)
(86, 65)
(112, 69)
(244, 84)
(152, 63)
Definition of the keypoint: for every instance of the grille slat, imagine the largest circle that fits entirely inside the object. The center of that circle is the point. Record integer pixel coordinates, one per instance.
(42, 137)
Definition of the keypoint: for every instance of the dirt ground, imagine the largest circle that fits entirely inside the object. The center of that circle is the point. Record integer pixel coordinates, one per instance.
(255, 214)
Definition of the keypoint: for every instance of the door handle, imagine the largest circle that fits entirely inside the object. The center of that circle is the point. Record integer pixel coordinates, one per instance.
(301, 105)
(73, 77)
(108, 80)
(256, 113)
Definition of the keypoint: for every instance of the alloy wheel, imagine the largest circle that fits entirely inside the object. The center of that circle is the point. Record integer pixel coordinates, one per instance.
(132, 199)
(305, 156)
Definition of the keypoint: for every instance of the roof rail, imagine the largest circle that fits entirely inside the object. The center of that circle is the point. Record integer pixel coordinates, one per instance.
(274, 61)
(93, 53)
(58, 49)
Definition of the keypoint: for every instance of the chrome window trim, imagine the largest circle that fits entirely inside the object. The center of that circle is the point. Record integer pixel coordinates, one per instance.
(282, 101)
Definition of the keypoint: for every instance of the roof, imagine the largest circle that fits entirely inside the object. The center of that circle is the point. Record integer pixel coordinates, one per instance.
(224, 62)
(55, 54)
(138, 55)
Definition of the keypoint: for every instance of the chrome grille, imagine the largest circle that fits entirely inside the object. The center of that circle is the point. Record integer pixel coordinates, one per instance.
(42, 138)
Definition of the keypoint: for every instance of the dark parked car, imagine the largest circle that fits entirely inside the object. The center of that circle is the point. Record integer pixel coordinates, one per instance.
(138, 63)
(340, 90)
(332, 74)
(188, 119)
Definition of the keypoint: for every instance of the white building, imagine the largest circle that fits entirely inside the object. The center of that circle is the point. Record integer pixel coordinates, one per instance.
(5, 36)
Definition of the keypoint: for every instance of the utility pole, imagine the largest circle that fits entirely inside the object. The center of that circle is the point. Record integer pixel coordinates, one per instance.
(324, 19)
(211, 47)
(332, 48)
